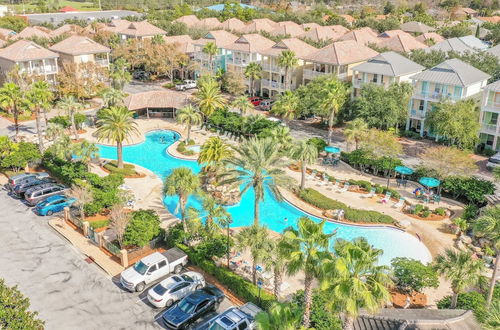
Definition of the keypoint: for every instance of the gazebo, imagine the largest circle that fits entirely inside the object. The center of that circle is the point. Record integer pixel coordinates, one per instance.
(161, 103)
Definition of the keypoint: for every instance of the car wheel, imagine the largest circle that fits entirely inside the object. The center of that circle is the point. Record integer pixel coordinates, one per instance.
(140, 287)
(199, 286)
(49, 213)
(177, 269)
(216, 306)
(169, 303)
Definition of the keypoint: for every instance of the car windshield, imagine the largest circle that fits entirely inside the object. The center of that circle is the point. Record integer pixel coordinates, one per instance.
(186, 306)
(140, 267)
(160, 289)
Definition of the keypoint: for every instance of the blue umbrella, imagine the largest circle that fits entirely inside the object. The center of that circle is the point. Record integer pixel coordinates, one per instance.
(429, 182)
(333, 150)
(403, 170)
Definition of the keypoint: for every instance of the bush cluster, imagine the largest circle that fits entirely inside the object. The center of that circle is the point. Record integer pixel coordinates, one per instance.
(378, 188)
(65, 122)
(99, 224)
(181, 147)
(468, 300)
(319, 200)
(365, 160)
(240, 126)
(142, 228)
(127, 170)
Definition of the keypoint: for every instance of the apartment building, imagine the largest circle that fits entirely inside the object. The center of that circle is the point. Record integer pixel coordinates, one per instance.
(384, 69)
(31, 59)
(79, 49)
(452, 80)
(221, 39)
(338, 59)
(273, 80)
(490, 122)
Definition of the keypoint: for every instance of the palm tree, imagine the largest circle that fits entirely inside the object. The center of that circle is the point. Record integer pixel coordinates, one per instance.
(287, 61)
(492, 317)
(258, 164)
(336, 93)
(209, 97)
(253, 71)
(11, 98)
(116, 124)
(243, 104)
(213, 153)
(354, 279)
(307, 248)
(305, 153)
(86, 152)
(255, 238)
(281, 136)
(214, 211)
(113, 97)
(183, 183)
(286, 106)
(211, 50)
(280, 316)
(355, 131)
(277, 262)
(488, 226)
(119, 74)
(461, 270)
(54, 132)
(70, 105)
(189, 116)
(39, 98)
(225, 222)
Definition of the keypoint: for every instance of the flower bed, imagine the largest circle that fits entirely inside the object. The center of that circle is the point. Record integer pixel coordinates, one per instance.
(422, 212)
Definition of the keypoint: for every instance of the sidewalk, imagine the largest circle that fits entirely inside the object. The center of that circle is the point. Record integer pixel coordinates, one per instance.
(86, 247)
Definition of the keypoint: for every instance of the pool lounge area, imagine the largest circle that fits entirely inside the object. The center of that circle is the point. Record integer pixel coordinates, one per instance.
(277, 215)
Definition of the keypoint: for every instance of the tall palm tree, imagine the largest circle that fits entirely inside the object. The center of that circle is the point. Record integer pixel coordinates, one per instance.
(336, 93)
(210, 49)
(39, 98)
(119, 73)
(183, 183)
(355, 131)
(86, 152)
(209, 97)
(305, 153)
(281, 136)
(276, 261)
(307, 248)
(70, 105)
(213, 211)
(213, 153)
(355, 280)
(280, 316)
(117, 124)
(286, 106)
(11, 98)
(256, 239)
(287, 61)
(253, 71)
(257, 164)
(243, 104)
(225, 222)
(461, 270)
(488, 226)
(54, 131)
(113, 97)
(189, 116)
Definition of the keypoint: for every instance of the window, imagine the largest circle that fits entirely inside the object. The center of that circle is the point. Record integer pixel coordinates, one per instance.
(490, 118)
(243, 326)
(84, 58)
(421, 105)
(176, 288)
(342, 69)
(487, 139)
(375, 78)
(162, 264)
(425, 87)
(152, 269)
(457, 92)
(202, 305)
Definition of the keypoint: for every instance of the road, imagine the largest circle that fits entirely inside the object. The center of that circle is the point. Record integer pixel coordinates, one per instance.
(68, 292)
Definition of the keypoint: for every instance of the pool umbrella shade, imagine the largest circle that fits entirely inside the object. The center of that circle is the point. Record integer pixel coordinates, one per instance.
(403, 170)
(333, 150)
(429, 182)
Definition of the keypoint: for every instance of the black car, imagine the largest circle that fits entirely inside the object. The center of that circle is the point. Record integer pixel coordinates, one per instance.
(21, 188)
(192, 307)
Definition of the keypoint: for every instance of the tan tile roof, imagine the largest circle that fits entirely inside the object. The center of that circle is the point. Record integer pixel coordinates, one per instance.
(287, 29)
(265, 20)
(78, 45)
(189, 20)
(363, 35)
(322, 33)
(464, 10)
(430, 35)
(348, 18)
(257, 26)
(211, 23)
(184, 42)
(142, 29)
(30, 32)
(299, 47)
(24, 50)
(492, 19)
(342, 53)
(393, 33)
(250, 43)
(219, 37)
(310, 26)
(156, 99)
(6, 33)
(339, 28)
(66, 28)
(117, 25)
(401, 43)
(288, 23)
(233, 24)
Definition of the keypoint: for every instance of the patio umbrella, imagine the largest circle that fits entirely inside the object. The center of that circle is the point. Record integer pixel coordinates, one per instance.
(403, 170)
(429, 182)
(332, 150)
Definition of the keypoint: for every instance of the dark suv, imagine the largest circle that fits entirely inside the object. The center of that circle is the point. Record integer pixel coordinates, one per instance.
(192, 307)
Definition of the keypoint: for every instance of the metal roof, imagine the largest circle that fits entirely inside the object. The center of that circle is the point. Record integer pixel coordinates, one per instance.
(389, 64)
(452, 72)
(460, 45)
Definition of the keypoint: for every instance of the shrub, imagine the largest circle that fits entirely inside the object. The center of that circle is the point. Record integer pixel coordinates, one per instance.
(142, 228)
(469, 300)
(60, 120)
(412, 275)
(426, 213)
(418, 209)
(15, 311)
(169, 85)
(321, 318)
(25, 154)
(317, 199)
(215, 246)
(99, 224)
(127, 170)
(470, 212)
(363, 184)
(319, 143)
(440, 211)
(470, 189)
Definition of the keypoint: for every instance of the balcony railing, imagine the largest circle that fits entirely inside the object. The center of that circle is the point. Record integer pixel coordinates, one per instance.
(436, 96)
(273, 68)
(418, 114)
(272, 84)
(491, 128)
(102, 62)
(310, 74)
(494, 105)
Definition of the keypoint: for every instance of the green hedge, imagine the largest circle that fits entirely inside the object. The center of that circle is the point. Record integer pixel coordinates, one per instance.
(242, 288)
(319, 200)
(127, 170)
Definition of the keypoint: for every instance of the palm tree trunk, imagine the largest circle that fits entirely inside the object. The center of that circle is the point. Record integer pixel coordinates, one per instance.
(82, 212)
(256, 211)
(348, 323)
(252, 87)
(278, 279)
(228, 247)
(119, 154)
(303, 177)
(331, 117)
(39, 131)
(182, 205)
(189, 133)
(16, 122)
(454, 299)
(307, 300)
(73, 125)
(493, 279)
(45, 118)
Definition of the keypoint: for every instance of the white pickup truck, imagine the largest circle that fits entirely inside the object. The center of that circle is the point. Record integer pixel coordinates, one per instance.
(152, 268)
(186, 84)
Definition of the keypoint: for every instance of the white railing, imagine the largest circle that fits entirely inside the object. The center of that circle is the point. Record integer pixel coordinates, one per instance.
(418, 114)
(494, 105)
(489, 128)
(436, 96)
(272, 84)
(308, 73)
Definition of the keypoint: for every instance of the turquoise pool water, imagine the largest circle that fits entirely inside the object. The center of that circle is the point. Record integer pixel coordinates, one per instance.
(152, 155)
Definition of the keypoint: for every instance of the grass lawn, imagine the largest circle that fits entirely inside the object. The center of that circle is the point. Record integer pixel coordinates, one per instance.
(80, 6)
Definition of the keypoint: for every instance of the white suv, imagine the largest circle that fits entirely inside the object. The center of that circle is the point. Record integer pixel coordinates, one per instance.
(174, 288)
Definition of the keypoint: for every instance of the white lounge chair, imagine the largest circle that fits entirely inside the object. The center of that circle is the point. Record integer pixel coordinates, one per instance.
(371, 194)
(386, 198)
(400, 203)
(345, 188)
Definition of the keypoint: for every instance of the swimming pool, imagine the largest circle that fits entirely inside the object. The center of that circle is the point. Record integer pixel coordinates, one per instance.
(152, 154)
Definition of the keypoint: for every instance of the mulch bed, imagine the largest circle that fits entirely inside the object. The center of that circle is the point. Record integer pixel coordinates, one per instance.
(432, 217)
(417, 299)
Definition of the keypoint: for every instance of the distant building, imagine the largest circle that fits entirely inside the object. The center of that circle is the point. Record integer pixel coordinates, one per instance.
(416, 27)
(89, 16)
(460, 45)
(78, 49)
(490, 110)
(220, 38)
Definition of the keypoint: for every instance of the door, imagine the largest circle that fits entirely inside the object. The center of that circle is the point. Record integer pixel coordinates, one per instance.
(152, 274)
(202, 308)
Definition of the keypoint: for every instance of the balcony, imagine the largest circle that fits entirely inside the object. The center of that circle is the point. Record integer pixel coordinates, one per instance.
(433, 96)
(417, 114)
(272, 84)
(311, 74)
(273, 68)
(493, 105)
(489, 128)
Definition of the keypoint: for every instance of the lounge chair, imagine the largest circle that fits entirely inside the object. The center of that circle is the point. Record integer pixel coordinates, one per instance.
(436, 198)
(386, 198)
(371, 194)
(345, 188)
(400, 203)
(336, 184)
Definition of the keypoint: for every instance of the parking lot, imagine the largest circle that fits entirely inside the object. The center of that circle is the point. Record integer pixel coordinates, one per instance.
(66, 290)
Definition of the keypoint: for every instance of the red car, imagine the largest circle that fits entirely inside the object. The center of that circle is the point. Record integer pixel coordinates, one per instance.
(255, 100)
